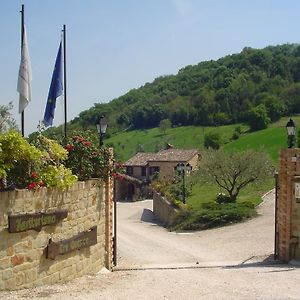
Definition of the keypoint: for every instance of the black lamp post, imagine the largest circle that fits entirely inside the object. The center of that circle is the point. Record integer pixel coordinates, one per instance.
(183, 169)
(290, 127)
(101, 128)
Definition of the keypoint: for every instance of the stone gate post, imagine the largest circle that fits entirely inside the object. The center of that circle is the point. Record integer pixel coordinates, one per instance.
(288, 205)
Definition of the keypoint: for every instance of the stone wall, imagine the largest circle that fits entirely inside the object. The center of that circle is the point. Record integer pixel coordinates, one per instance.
(163, 211)
(288, 207)
(23, 255)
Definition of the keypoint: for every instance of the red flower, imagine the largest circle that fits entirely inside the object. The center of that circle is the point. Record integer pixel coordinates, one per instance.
(121, 177)
(41, 183)
(88, 144)
(33, 175)
(114, 174)
(31, 185)
(69, 147)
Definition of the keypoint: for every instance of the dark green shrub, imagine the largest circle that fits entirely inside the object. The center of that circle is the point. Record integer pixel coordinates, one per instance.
(212, 140)
(235, 136)
(213, 215)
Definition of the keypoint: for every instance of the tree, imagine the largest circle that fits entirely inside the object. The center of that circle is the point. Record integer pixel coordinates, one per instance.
(233, 171)
(164, 125)
(212, 140)
(257, 118)
(7, 122)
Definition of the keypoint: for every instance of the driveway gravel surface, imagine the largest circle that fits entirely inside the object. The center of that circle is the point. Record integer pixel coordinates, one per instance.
(232, 262)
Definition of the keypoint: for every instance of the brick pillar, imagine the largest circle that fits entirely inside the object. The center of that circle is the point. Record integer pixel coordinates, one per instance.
(108, 219)
(288, 209)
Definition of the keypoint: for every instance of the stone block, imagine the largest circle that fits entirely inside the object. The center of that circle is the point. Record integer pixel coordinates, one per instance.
(5, 263)
(17, 259)
(20, 278)
(10, 251)
(51, 279)
(7, 274)
(65, 273)
(1, 285)
(10, 284)
(31, 256)
(30, 275)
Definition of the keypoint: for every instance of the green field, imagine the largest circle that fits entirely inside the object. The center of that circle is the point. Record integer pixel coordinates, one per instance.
(203, 193)
(272, 139)
(127, 143)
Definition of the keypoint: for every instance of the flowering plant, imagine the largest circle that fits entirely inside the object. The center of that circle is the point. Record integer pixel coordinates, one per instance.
(17, 159)
(23, 165)
(35, 182)
(85, 159)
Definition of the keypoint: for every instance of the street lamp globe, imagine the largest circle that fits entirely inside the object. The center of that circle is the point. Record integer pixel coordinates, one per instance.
(290, 127)
(102, 125)
(101, 128)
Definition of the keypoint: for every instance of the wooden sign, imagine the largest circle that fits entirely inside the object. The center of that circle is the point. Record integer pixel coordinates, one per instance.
(19, 223)
(82, 240)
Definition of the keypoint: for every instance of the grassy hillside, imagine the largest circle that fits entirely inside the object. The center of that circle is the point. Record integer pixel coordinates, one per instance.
(126, 144)
(272, 139)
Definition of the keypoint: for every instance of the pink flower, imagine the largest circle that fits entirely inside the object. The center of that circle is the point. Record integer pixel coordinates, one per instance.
(41, 183)
(114, 174)
(121, 177)
(88, 144)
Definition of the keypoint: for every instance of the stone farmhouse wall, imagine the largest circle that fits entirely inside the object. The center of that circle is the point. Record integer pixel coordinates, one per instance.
(163, 210)
(23, 255)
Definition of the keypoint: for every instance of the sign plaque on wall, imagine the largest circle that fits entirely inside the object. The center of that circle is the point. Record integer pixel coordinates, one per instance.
(79, 241)
(35, 221)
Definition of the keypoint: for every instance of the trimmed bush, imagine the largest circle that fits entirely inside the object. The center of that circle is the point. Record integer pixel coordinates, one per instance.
(213, 215)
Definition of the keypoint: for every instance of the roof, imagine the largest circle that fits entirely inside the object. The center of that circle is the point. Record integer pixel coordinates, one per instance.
(176, 155)
(140, 159)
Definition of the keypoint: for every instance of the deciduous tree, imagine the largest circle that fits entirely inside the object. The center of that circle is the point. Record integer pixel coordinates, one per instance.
(6, 120)
(233, 171)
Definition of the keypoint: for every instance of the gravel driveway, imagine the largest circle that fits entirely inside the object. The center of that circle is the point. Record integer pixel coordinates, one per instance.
(232, 262)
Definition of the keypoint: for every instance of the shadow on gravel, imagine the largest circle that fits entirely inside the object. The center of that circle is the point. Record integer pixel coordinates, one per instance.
(269, 261)
(148, 216)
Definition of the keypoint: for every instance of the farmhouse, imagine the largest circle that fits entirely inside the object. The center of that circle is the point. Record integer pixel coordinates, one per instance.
(146, 165)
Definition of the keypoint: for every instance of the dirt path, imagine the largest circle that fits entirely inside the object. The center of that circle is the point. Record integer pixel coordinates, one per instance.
(224, 263)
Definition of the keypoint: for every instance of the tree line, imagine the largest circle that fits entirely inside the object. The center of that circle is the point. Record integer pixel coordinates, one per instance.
(256, 86)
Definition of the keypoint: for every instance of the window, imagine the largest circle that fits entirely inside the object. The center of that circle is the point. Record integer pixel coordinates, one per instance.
(153, 170)
(143, 171)
(129, 170)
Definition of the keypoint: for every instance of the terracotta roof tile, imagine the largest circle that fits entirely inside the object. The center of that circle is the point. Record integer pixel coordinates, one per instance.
(142, 159)
(175, 155)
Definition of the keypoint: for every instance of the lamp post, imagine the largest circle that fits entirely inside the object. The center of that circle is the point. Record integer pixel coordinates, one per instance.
(183, 169)
(290, 127)
(101, 128)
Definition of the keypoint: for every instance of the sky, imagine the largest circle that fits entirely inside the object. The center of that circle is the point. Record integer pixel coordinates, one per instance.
(114, 46)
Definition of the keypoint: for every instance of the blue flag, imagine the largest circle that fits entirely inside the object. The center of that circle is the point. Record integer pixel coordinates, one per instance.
(55, 90)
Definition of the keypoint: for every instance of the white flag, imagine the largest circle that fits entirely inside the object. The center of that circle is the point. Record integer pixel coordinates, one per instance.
(25, 76)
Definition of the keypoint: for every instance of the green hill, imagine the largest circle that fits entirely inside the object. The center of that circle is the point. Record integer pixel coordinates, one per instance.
(211, 93)
(272, 139)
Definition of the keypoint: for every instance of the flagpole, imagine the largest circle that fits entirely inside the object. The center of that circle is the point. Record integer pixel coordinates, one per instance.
(65, 80)
(22, 40)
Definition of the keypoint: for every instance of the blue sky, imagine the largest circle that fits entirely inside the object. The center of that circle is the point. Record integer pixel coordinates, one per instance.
(116, 45)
